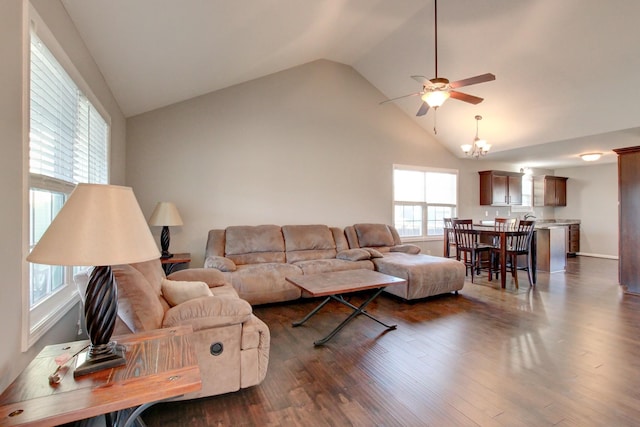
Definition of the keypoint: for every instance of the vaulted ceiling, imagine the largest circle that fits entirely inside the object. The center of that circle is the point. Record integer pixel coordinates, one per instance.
(567, 72)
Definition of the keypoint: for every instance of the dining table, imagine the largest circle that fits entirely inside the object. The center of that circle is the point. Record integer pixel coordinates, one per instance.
(489, 233)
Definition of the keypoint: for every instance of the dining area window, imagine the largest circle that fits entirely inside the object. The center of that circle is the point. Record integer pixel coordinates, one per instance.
(422, 198)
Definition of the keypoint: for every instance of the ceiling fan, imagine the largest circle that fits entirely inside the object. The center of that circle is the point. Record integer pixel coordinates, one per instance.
(437, 90)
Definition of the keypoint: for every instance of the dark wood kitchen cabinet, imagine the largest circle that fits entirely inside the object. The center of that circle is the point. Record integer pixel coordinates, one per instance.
(549, 190)
(500, 188)
(628, 219)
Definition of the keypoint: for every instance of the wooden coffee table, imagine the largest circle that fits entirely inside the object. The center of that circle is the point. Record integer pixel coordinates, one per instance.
(334, 285)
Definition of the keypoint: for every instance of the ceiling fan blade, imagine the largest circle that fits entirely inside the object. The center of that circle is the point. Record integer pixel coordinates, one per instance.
(473, 80)
(400, 97)
(423, 109)
(421, 79)
(465, 97)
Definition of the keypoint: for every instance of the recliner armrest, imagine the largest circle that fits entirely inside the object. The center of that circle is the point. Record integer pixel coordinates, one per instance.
(208, 312)
(210, 276)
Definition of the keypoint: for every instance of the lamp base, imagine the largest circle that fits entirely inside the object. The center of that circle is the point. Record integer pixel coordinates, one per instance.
(93, 360)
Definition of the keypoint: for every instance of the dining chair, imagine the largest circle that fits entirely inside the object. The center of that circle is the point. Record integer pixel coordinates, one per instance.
(448, 226)
(468, 247)
(518, 242)
(501, 224)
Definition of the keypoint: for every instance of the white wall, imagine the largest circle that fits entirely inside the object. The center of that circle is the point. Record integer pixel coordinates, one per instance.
(12, 253)
(592, 196)
(305, 145)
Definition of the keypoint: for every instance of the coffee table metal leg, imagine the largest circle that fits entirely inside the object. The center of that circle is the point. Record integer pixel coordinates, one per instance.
(341, 299)
(356, 311)
(311, 313)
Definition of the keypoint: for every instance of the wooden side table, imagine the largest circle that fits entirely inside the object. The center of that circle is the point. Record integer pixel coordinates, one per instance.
(177, 261)
(161, 364)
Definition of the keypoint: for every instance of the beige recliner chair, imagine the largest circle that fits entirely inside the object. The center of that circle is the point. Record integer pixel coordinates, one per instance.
(232, 345)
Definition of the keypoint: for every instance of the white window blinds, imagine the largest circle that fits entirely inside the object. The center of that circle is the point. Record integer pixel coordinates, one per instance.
(68, 137)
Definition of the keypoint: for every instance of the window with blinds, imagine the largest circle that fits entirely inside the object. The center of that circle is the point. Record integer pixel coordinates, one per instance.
(68, 144)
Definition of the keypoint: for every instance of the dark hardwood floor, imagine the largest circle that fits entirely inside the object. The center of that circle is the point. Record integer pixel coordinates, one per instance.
(565, 353)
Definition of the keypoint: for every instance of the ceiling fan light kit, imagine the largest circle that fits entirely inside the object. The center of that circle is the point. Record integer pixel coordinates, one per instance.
(479, 148)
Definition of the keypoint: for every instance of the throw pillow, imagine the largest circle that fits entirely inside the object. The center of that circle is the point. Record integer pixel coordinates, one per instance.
(176, 292)
(220, 263)
(354, 255)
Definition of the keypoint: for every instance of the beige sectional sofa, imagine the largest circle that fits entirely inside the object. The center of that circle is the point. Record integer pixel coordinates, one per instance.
(257, 259)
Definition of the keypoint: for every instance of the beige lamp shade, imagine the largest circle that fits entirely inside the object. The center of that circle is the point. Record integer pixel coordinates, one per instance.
(98, 225)
(165, 213)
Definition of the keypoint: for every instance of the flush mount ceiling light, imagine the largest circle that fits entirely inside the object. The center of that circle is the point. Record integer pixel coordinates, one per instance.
(590, 157)
(479, 146)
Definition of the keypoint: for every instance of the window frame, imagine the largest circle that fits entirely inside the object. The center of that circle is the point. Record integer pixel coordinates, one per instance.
(425, 205)
(527, 188)
(39, 318)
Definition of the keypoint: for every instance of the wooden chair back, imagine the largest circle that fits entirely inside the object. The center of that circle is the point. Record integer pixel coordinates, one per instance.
(465, 236)
(504, 224)
(521, 241)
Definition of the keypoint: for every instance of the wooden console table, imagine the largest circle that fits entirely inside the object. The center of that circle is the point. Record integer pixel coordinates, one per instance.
(161, 364)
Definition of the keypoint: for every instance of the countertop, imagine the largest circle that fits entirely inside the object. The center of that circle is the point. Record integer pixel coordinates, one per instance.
(541, 223)
(550, 223)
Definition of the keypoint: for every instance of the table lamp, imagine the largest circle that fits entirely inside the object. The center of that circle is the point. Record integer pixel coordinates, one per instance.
(99, 225)
(165, 214)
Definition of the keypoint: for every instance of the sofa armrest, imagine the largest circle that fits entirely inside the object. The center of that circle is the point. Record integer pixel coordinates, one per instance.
(220, 263)
(210, 276)
(208, 312)
(406, 248)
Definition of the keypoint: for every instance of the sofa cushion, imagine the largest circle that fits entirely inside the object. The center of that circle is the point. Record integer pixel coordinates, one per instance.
(254, 244)
(315, 266)
(139, 305)
(177, 292)
(265, 282)
(306, 242)
(373, 235)
(426, 275)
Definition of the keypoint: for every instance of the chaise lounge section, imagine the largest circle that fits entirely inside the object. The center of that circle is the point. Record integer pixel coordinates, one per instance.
(426, 275)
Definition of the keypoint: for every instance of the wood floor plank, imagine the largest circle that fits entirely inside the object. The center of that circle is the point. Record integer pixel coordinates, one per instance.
(565, 353)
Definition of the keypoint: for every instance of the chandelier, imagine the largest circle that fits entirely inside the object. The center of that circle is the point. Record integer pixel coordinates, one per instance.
(479, 147)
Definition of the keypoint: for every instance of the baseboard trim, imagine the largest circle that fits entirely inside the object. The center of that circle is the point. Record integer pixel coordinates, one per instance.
(597, 255)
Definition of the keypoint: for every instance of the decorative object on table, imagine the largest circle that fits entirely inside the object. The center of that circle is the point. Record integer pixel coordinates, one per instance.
(100, 225)
(479, 147)
(165, 214)
(437, 90)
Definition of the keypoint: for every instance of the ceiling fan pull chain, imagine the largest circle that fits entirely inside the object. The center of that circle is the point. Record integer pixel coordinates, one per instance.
(435, 118)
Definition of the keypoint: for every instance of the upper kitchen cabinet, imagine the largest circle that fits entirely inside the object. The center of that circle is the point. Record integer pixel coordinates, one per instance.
(500, 188)
(549, 190)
